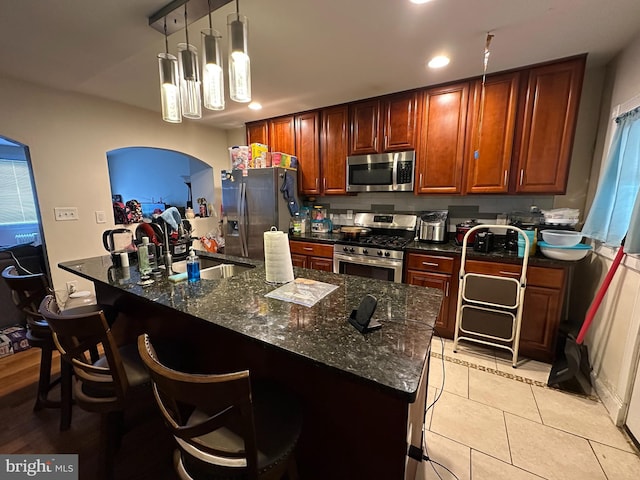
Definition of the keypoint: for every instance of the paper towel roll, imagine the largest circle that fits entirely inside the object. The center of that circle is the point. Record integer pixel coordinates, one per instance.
(277, 258)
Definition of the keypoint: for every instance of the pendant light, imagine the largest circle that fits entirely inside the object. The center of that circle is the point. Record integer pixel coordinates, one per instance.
(212, 69)
(169, 89)
(189, 76)
(239, 63)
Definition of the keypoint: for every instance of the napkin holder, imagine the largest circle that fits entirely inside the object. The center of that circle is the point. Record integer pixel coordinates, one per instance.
(361, 318)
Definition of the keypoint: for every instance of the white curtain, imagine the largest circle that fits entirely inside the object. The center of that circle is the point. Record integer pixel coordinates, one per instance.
(615, 212)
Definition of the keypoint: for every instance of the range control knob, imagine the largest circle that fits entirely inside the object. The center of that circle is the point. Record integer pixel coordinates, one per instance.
(365, 251)
(351, 250)
(345, 249)
(387, 254)
(380, 252)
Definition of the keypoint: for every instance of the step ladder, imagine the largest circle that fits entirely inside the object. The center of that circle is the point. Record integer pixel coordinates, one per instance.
(489, 310)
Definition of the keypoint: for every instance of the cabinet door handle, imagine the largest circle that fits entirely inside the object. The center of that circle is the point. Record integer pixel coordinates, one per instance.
(420, 181)
(513, 274)
(447, 290)
(317, 184)
(324, 184)
(386, 144)
(504, 181)
(430, 264)
(521, 175)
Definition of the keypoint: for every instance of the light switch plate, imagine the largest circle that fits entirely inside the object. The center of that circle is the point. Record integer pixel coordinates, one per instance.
(101, 217)
(66, 213)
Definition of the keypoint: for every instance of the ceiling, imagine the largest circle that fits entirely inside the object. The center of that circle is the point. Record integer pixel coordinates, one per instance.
(306, 53)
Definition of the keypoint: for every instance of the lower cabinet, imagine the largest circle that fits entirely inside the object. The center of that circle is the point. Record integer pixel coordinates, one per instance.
(317, 256)
(436, 272)
(544, 301)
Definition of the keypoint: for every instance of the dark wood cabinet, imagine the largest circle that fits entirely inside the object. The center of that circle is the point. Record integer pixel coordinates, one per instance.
(436, 272)
(492, 118)
(440, 153)
(282, 137)
(258, 132)
(317, 256)
(399, 121)
(364, 118)
(549, 104)
(382, 125)
(543, 305)
(307, 133)
(334, 145)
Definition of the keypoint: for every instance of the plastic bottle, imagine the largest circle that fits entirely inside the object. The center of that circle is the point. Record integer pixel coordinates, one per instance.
(143, 256)
(193, 266)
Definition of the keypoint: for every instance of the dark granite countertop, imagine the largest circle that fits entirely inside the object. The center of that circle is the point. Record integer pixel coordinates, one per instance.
(499, 254)
(393, 357)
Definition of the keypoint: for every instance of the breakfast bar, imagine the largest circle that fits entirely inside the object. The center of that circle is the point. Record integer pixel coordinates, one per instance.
(364, 395)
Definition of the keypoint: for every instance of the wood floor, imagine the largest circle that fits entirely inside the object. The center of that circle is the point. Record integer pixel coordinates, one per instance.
(146, 448)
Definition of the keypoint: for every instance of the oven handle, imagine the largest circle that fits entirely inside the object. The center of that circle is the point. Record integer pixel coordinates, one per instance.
(381, 262)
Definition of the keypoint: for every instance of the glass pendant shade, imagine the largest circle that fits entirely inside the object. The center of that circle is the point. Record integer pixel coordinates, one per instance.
(169, 88)
(239, 63)
(212, 71)
(189, 81)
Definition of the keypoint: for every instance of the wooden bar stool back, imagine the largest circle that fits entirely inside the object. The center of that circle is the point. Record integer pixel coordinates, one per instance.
(224, 428)
(27, 292)
(106, 386)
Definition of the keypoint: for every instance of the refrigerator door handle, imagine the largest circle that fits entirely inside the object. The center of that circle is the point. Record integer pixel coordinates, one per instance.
(242, 216)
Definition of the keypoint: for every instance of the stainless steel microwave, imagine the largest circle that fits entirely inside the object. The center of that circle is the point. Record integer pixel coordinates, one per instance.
(384, 172)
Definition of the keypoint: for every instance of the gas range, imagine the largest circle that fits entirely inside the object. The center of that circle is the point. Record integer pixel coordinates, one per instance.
(380, 253)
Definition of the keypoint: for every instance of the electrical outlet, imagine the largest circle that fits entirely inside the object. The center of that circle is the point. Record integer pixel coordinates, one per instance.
(72, 287)
(66, 213)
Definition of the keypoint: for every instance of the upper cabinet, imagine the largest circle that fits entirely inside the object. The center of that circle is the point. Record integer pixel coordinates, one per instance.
(383, 125)
(258, 132)
(440, 153)
(282, 137)
(549, 105)
(512, 135)
(492, 118)
(334, 145)
(307, 131)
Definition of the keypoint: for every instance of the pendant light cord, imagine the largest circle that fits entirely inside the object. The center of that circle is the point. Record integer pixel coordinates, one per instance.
(210, 23)
(166, 38)
(237, 9)
(476, 153)
(186, 30)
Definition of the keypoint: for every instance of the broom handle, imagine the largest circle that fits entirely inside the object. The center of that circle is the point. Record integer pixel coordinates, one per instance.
(600, 295)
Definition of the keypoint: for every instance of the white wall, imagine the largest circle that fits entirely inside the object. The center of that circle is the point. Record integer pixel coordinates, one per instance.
(612, 339)
(68, 136)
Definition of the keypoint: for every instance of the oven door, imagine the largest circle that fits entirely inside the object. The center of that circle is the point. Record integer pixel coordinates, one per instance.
(370, 267)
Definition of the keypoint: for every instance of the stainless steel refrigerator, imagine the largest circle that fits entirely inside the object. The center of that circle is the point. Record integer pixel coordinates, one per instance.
(253, 201)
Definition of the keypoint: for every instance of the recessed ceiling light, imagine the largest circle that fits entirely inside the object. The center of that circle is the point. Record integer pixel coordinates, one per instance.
(255, 106)
(438, 62)
(419, 1)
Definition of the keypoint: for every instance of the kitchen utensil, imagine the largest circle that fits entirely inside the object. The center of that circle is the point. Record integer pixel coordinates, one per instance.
(463, 228)
(353, 233)
(576, 252)
(483, 242)
(561, 238)
(434, 227)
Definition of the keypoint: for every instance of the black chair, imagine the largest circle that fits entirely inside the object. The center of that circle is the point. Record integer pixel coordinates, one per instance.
(107, 386)
(224, 426)
(28, 291)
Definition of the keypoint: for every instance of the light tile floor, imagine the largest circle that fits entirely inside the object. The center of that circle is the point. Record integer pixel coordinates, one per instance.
(493, 422)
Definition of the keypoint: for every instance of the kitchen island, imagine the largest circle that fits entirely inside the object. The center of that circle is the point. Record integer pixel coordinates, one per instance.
(364, 396)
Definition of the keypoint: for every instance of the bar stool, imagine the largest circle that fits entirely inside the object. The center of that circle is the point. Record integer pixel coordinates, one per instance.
(225, 426)
(27, 292)
(107, 386)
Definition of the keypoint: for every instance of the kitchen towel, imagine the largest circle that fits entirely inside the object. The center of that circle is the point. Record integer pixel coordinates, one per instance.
(277, 258)
(172, 216)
